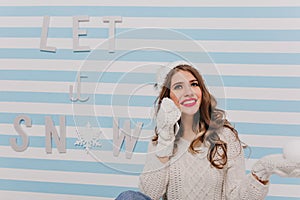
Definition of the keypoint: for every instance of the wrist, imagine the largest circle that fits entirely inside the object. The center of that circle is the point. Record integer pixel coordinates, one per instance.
(164, 159)
(264, 182)
(164, 148)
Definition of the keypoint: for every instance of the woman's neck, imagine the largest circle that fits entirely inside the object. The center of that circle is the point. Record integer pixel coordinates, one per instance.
(187, 121)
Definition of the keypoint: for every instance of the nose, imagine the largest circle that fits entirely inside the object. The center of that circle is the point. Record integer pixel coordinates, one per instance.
(188, 91)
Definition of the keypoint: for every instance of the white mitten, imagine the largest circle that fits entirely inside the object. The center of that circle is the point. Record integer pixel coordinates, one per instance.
(276, 164)
(166, 118)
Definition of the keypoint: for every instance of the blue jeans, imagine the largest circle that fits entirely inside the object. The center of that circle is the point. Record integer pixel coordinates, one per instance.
(132, 195)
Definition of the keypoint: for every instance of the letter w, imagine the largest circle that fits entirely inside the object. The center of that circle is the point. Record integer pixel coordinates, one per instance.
(126, 133)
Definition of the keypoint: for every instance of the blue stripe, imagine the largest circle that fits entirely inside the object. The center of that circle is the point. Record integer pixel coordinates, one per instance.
(207, 34)
(71, 166)
(268, 129)
(258, 81)
(263, 105)
(92, 167)
(159, 56)
(281, 180)
(274, 179)
(39, 142)
(259, 152)
(141, 146)
(160, 34)
(63, 188)
(98, 99)
(139, 11)
(106, 122)
(147, 101)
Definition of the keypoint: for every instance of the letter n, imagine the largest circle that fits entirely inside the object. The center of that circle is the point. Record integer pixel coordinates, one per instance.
(52, 132)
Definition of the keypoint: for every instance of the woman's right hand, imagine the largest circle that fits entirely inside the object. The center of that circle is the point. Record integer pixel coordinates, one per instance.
(166, 118)
(275, 164)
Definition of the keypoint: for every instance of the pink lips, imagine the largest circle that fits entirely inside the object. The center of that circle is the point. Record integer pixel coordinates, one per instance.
(189, 102)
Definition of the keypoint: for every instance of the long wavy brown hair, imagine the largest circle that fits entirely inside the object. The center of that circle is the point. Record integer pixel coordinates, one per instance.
(207, 123)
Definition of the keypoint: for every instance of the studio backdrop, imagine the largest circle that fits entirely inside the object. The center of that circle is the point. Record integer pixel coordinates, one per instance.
(77, 86)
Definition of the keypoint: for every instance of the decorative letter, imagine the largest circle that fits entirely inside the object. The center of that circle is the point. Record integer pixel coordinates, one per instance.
(18, 128)
(43, 44)
(112, 20)
(129, 138)
(51, 132)
(74, 99)
(77, 32)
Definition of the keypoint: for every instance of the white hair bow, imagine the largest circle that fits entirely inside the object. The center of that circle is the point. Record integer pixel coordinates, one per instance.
(163, 71)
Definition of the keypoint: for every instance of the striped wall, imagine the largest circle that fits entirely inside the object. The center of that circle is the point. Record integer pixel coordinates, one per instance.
(252, 66)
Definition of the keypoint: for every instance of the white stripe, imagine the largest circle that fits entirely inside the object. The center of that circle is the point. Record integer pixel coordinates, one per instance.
(146, 135)
(69, 177)
(13, 195)
(170, 45)
(79, 110)
(87, 88)
(140, 112)
(160, 22)
(106, 88)
(284, 190)
(260, 93)
(147, 67)
(264, 140)
(263, 117)
(78, 65)
(81, 155)
(38, 130)
(166, 3)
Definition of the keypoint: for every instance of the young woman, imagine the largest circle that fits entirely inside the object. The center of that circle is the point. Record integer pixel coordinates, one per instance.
(196, 153)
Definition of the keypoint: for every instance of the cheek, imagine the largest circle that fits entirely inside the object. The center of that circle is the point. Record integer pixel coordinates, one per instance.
(199, 94)
(174, 98)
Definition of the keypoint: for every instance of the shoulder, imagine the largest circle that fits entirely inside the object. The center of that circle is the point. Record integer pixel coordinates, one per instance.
(233, 143)
(228, 135)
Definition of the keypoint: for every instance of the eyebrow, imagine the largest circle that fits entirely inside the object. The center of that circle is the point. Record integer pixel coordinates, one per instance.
(180, 82)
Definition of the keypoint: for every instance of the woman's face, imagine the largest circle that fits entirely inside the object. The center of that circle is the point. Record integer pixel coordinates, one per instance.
(185, 92)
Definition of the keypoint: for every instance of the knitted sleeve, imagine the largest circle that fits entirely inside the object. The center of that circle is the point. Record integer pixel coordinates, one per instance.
(154, 178)
(238, 185)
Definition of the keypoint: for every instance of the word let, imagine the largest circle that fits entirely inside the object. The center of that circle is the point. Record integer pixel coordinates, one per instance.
(111, 20)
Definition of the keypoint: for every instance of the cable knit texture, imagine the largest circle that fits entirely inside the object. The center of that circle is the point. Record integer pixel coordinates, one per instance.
(187, 176)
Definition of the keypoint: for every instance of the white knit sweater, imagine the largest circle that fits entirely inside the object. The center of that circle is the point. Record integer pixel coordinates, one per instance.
(187, 176)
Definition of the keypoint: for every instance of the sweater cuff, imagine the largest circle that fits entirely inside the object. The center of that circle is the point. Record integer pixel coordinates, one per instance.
(165, 147)
(258, 189)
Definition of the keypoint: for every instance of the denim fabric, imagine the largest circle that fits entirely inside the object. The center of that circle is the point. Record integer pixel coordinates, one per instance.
(132, 195)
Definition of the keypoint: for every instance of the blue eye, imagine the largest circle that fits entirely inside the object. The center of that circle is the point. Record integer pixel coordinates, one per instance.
(195, 84)
(177, 87)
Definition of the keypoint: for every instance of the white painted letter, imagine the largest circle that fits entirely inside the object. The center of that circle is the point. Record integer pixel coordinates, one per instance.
(43, 43)
(130, 139)
(18, 128)
(112, 20)
(51, 132)
(78, 98)
(77, 32)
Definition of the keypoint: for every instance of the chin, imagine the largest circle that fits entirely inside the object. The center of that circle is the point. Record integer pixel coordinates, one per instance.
(189, 111)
